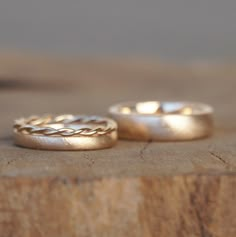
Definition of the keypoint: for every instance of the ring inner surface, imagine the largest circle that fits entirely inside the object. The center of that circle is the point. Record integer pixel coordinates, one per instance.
(162, 108)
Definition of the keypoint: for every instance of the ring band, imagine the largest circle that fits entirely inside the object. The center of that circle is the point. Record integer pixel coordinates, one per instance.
(65, 132)
(162, 121)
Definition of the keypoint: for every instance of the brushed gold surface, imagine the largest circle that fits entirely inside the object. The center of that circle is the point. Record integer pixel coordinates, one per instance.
(162, 121)
(65, 132)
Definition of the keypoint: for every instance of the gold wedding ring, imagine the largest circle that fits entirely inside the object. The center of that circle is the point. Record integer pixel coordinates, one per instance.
(162, 121)
(65, 132)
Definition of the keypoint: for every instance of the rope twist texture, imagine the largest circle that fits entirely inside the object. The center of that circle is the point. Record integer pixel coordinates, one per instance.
(38, 125)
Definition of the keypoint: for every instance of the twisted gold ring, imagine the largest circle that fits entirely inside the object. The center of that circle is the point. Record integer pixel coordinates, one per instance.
(65, 132)
(162, 121)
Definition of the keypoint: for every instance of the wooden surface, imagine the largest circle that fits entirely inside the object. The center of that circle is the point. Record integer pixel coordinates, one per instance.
(134, 189)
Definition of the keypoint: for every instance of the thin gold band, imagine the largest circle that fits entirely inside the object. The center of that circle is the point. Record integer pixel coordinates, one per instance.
(65, 132)
(162, 121)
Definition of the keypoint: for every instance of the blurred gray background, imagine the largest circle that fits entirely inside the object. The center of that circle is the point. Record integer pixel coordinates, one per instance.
(166, 29)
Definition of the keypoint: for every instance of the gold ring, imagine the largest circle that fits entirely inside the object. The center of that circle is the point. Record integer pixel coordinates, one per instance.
(65, 132)
(162, 121)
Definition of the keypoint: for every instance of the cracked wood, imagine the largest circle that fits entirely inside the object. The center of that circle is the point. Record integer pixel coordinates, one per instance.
(134, 189)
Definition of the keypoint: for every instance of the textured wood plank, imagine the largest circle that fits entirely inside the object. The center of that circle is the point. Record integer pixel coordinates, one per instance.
(133, 189)
(162, 206)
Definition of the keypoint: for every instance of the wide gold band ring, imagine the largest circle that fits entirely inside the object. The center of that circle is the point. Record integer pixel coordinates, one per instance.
(65, 132)
(162, 121)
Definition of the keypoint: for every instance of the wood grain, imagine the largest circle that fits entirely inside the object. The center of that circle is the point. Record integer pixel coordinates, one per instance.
(135, 188)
